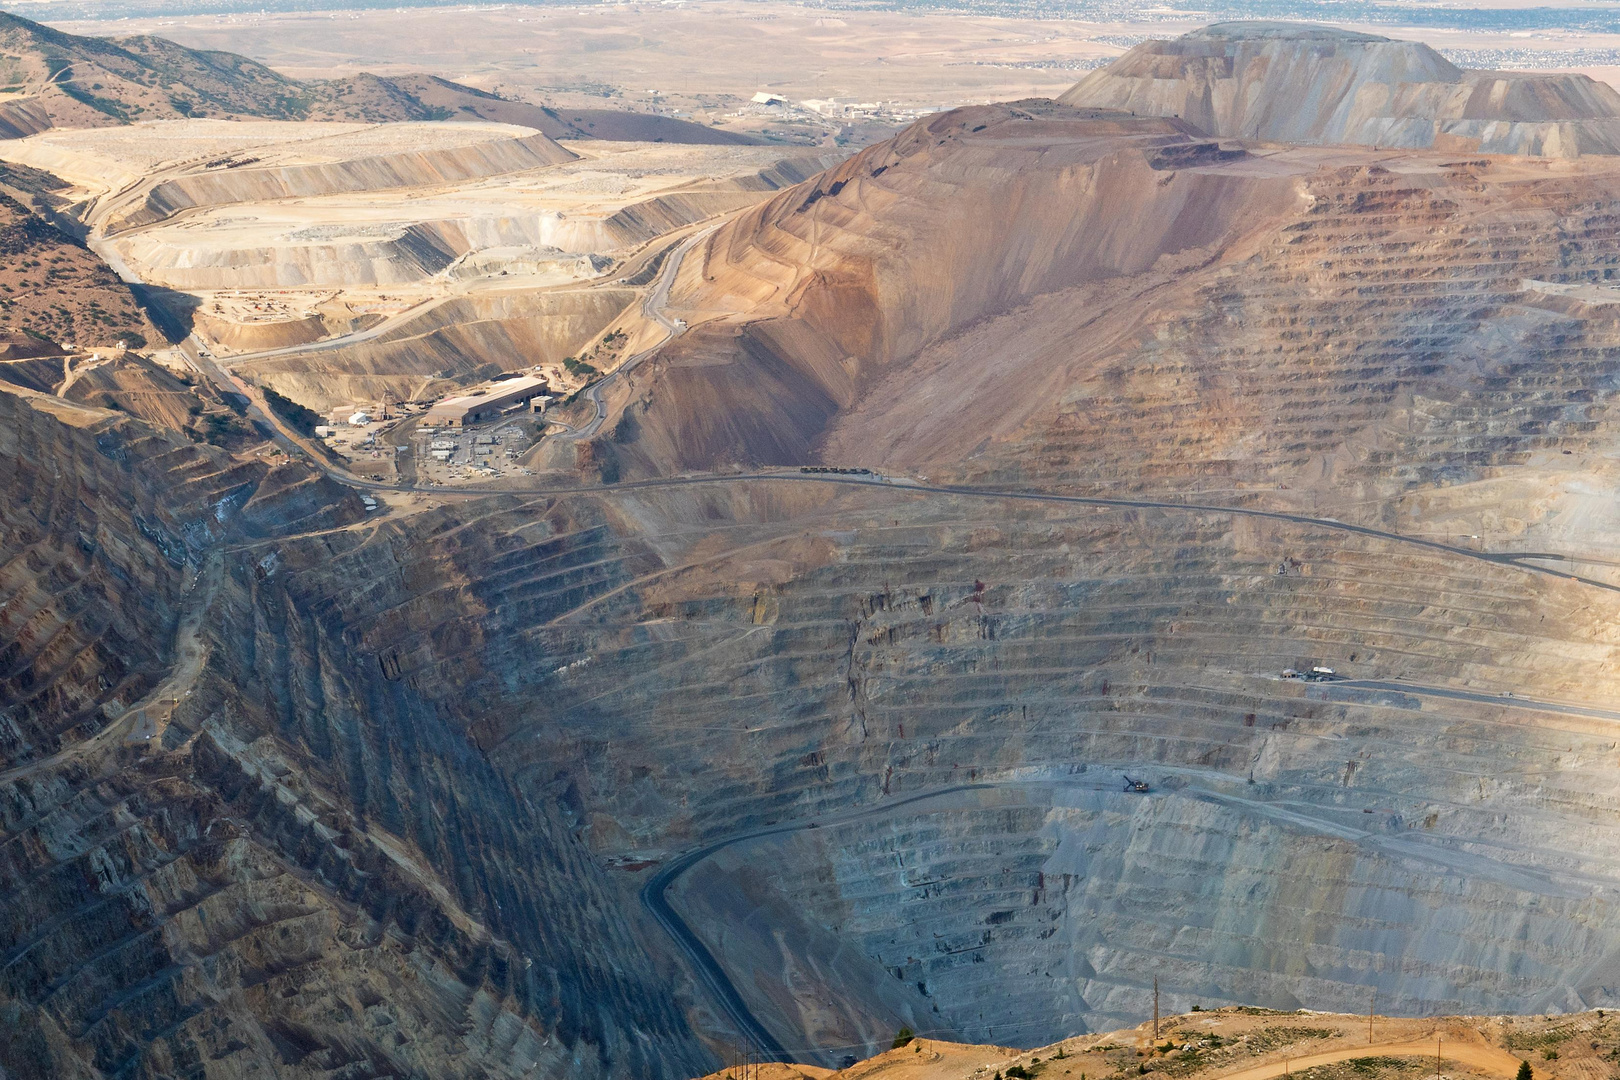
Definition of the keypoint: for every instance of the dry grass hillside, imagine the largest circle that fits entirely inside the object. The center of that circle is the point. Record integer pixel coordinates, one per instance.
(52, 289)
(1246, 1043)
(53, 79)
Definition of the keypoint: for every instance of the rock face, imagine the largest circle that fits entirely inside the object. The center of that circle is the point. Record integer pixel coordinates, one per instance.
(220, 854)
(822, 290)
(1070, 301)
(463, 339)
(1301, 84)
(291, 787)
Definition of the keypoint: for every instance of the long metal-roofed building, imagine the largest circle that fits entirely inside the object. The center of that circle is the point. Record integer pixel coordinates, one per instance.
(485, 404)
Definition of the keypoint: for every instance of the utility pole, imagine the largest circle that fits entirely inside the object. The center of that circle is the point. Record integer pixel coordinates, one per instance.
(1370, 1004)
(1155, 1008)
(1437, 1056)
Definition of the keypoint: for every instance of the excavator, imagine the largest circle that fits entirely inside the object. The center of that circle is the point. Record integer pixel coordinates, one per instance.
(1137, 785)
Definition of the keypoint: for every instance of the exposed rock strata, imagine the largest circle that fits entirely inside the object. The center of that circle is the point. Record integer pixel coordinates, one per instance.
(221, 852)
(425, 748)
(1424, 345)
(458, 341)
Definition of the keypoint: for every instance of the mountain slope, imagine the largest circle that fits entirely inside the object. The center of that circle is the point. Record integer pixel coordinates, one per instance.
(289, 786)
(54, 79)
(231, 839)
(1239, 410)
(52, 288)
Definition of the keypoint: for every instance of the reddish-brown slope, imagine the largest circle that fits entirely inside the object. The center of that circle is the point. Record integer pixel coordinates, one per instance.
(1014, 293)
(55, 291)
(829, 287)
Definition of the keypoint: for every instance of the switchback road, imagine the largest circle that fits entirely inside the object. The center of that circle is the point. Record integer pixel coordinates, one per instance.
(704, 965)
(652, 306)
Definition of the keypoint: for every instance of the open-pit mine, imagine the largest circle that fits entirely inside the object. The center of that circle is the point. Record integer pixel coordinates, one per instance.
(1082, 586)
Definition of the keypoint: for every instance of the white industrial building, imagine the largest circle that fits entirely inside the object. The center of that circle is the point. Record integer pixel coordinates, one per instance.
(485, 403)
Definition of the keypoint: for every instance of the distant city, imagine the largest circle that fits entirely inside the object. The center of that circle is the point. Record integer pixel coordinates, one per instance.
(1531, 59)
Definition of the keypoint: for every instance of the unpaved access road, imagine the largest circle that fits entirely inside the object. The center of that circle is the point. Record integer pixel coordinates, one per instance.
(1475, 1054)
(653, 308)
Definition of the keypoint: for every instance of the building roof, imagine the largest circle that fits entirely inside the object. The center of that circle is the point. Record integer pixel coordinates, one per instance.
(503, 392)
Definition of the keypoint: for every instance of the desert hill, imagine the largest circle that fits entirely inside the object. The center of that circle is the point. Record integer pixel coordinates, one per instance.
(1302, 84)
(808, 299)
(52, 79)
(1003, 291)
(440, 98)
(52, 290)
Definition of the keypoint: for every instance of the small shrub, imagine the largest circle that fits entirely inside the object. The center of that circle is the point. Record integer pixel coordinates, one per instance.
(902, 1037)
(299, 418)
(1525, 1071)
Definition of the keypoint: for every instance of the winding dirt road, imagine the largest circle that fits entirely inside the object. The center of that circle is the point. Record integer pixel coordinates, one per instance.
(652, 306)
(1474, 1053)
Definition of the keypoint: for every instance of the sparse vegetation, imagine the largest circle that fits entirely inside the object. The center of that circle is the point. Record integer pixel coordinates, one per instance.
(1363, 1067)
(1279, 1037)
(575, 366)
(296, 416)
(1539, 1040)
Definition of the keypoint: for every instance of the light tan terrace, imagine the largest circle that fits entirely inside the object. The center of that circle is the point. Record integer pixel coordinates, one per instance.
(100, 160)
(286, 233)
(546, 223)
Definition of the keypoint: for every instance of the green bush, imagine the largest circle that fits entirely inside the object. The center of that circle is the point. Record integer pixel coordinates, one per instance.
(902, 1037)
(1525, 1071)
(297, 416)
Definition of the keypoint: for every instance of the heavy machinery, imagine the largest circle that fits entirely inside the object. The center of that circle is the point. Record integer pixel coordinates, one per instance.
(1137, 785)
